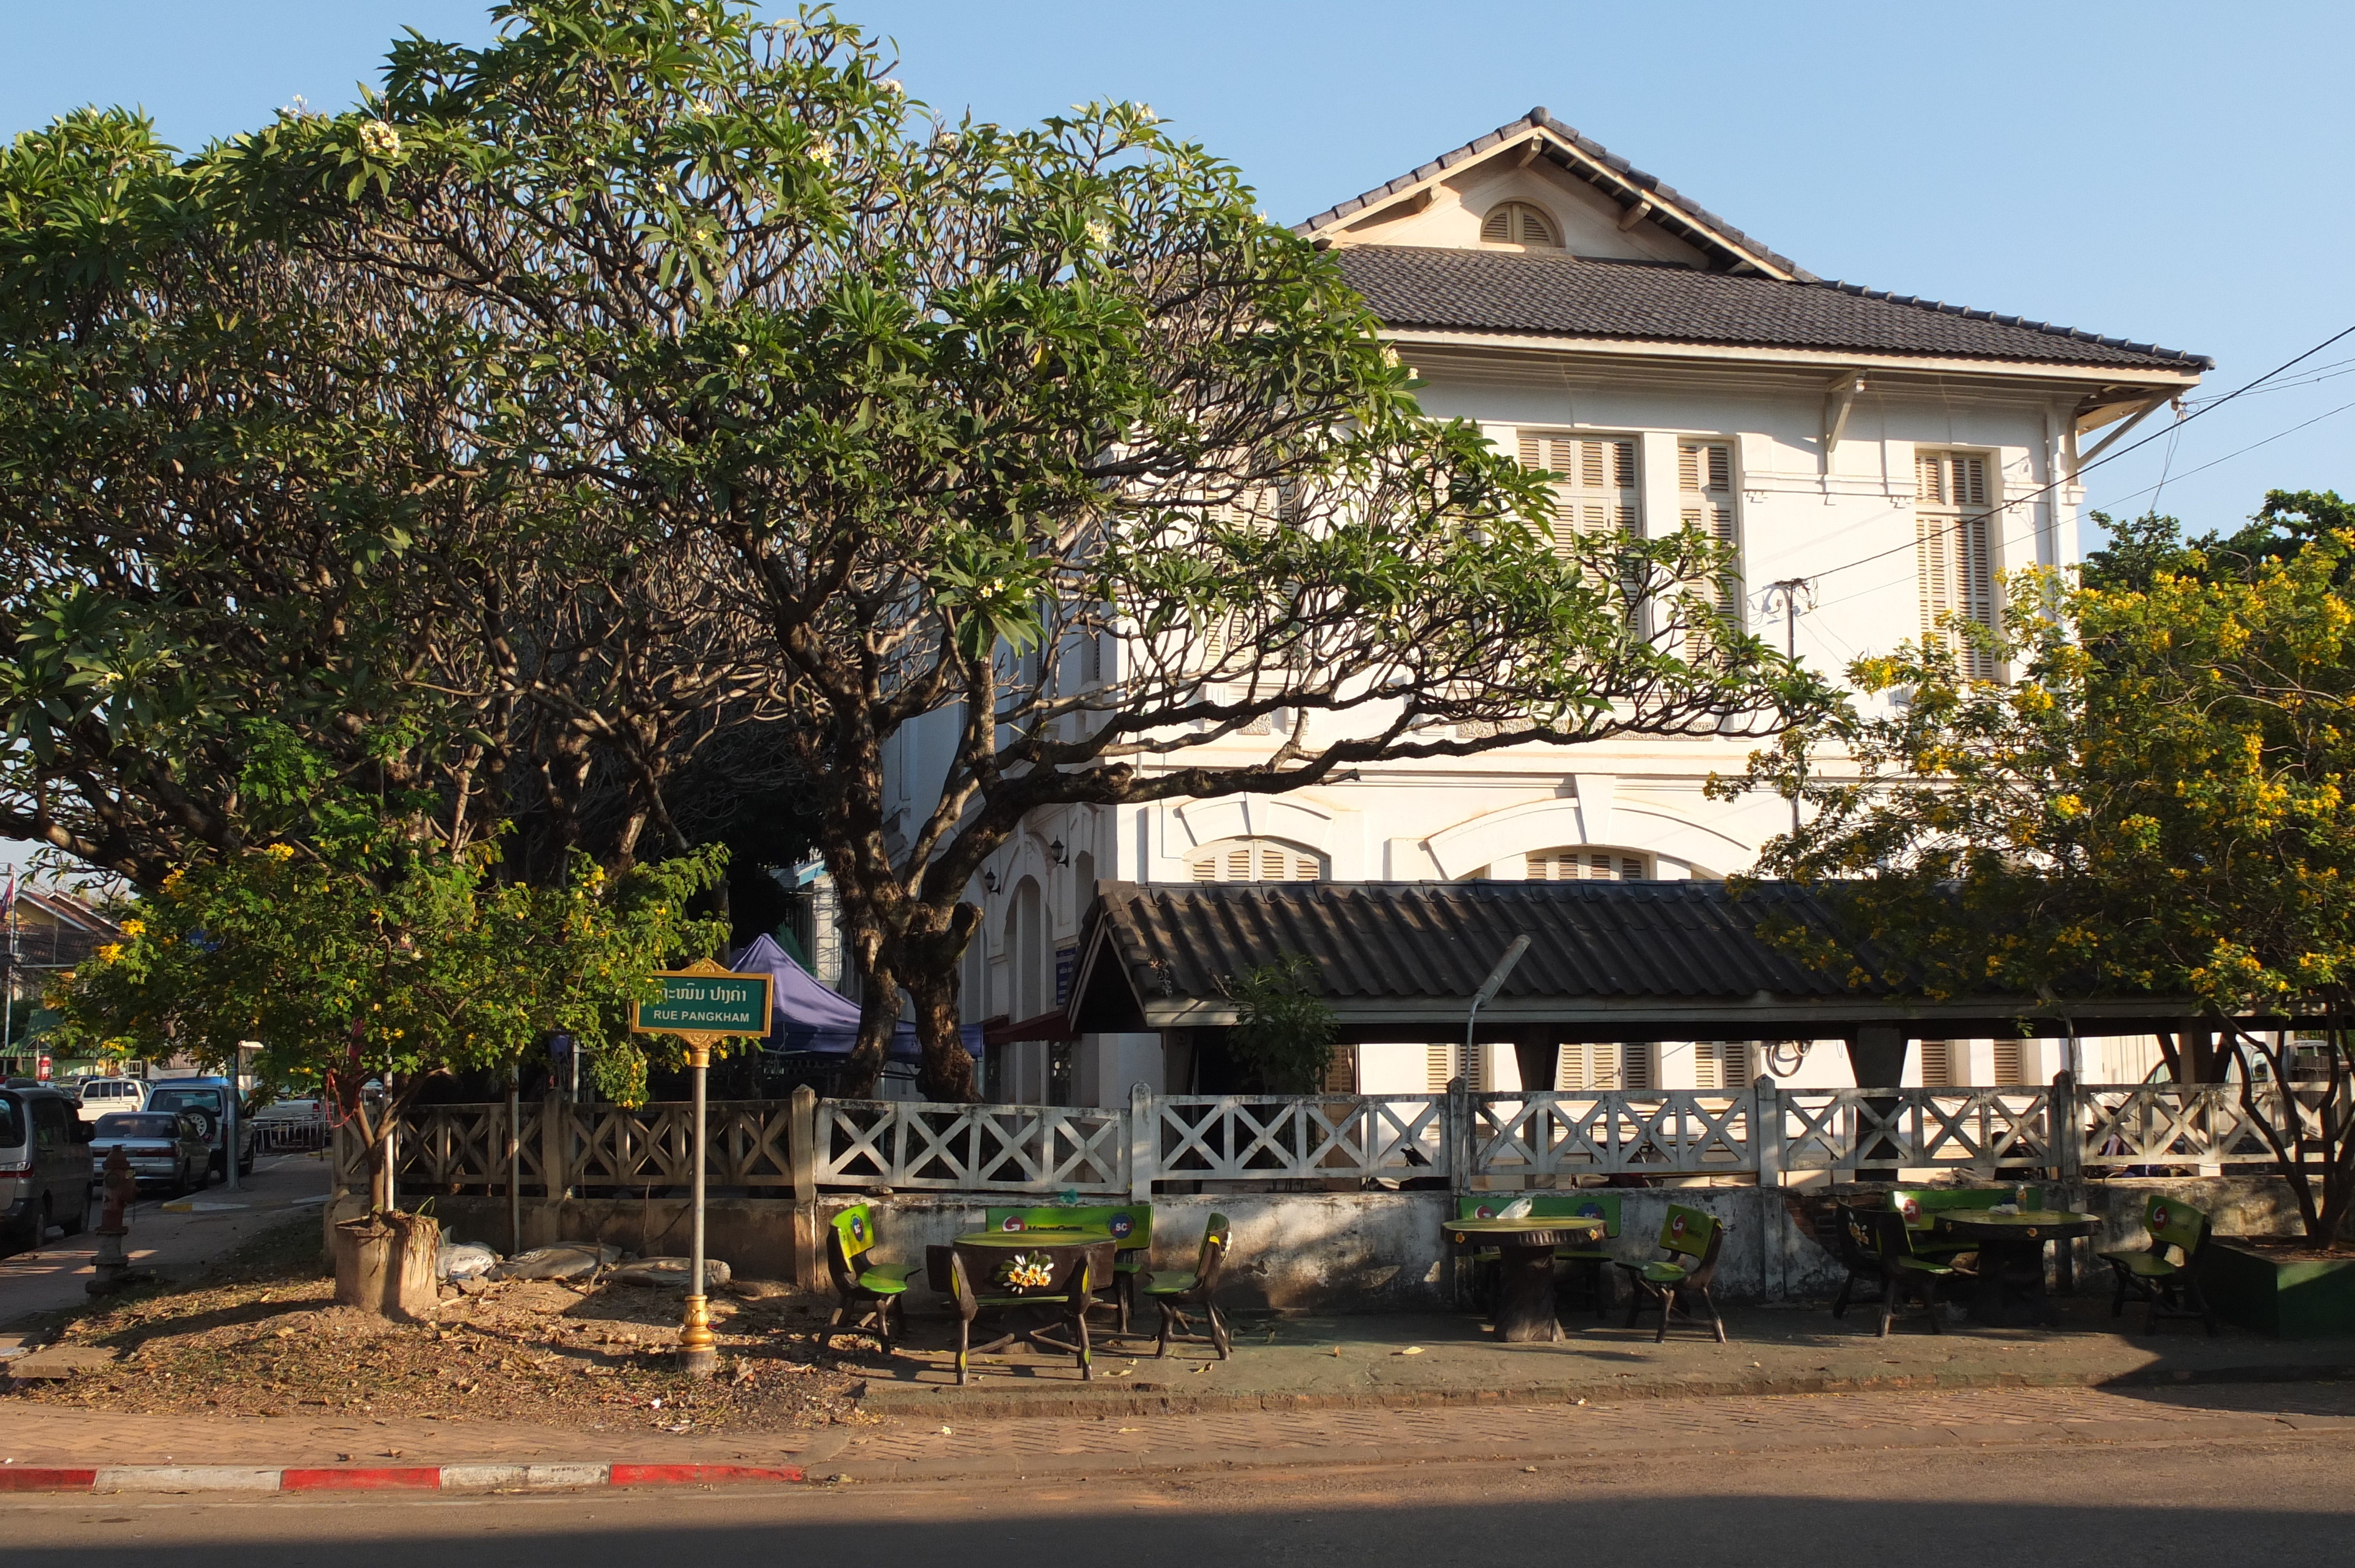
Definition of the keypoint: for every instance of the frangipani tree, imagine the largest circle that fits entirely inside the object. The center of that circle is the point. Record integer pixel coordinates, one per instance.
(1047, 434)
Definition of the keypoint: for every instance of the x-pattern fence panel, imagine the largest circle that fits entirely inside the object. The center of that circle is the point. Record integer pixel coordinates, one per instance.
(1216, 1137)
(1003, 1148)
(2176, 1124)
(1839, 1130)
(448, 1148)
(1606, 1134)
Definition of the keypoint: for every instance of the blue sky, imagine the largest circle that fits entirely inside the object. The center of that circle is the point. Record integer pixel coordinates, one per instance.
(2165, 173)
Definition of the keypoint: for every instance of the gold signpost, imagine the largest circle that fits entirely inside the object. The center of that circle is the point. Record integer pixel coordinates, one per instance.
(702, 1004)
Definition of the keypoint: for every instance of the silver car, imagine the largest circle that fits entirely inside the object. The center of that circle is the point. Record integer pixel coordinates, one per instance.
(44, 1166)
(166, 1149)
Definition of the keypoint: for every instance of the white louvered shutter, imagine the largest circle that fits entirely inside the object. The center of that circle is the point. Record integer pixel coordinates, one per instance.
(1255, 860)
(1937, 1064)
(1952, 533)
(2007, 1062)
(1705, 503)
(1586, 866)
(1515, 223)
(1595, 483)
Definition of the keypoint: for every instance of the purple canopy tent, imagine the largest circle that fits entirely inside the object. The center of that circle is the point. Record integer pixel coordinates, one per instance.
(810, 1017)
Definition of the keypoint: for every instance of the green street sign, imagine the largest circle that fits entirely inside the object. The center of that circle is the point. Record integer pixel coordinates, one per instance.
(707, 1000)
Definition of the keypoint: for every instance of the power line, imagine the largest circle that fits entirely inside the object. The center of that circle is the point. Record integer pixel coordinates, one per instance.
(2053, 484)
(2228, 457)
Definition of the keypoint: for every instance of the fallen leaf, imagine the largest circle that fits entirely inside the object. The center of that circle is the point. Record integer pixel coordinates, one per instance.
(1410, 1351)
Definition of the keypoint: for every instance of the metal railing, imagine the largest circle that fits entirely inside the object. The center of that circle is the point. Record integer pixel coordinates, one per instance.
(794, 1148)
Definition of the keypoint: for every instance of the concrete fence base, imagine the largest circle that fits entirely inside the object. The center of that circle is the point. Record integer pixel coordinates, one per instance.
(1324, 1252)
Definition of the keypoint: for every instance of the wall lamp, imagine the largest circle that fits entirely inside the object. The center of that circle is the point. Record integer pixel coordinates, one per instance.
(989, 880)
(1058, 853)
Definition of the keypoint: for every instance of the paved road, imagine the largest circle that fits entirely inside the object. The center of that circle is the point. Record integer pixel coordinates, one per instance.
(189, 1232)
(2278, 1499)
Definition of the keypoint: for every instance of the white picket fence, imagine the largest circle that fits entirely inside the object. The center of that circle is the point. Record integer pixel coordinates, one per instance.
(1314, 1140)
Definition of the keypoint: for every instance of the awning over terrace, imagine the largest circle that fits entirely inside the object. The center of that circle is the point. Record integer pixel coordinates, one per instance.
(809, 1016)
(1607, 960)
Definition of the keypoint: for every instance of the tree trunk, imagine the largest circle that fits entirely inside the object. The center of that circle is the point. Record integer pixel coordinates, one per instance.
(947, 1072)
(386, 1264)
(931, 956)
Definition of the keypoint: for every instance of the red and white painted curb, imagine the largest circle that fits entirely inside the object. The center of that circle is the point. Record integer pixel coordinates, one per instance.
(378, 1479)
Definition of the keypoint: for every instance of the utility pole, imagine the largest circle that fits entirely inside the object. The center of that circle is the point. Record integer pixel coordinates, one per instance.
(1790, 588)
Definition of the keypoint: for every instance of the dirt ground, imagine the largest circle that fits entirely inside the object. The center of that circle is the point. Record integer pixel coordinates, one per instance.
(260, 1334)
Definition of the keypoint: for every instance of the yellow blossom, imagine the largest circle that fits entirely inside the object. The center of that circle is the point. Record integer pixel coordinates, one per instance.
(135, 927)
(280, 851)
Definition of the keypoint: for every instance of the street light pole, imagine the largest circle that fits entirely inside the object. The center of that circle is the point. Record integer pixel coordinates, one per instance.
(1487, 993)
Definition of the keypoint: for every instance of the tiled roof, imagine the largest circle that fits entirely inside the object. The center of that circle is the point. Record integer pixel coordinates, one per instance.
(1662, 195)
(1607, 960)
(1538, 293)
(1438, 939)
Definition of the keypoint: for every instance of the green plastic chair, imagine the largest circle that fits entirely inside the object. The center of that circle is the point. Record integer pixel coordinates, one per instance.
(1199, 1288)
(1905, 1272)
(2161, 1273)
(1131, 1226)
(877, 1287)
(1690, 1239)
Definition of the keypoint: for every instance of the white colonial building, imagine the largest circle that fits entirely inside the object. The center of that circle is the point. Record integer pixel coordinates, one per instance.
(1874, 459)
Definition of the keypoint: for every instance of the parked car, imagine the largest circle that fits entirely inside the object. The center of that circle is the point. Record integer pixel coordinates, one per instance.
(166, 1149)
(207, 1100)
(104, 1097)
(45, 1176)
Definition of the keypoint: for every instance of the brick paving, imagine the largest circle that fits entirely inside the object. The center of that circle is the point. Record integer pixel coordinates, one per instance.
(907, 1449)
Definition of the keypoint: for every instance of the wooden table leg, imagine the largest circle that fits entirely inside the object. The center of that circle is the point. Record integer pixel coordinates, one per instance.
(1524, 1298)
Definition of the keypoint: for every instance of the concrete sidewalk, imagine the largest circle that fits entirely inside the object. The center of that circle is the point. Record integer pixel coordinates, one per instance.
(1359, 1363)
(197, 1454)
(177, 1236)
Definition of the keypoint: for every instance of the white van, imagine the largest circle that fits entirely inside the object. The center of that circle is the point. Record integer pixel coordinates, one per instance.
(103, 1096)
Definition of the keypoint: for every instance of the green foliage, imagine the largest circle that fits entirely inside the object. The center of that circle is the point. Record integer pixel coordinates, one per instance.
(370, 953)
(2157, 801)
(1283, 1030)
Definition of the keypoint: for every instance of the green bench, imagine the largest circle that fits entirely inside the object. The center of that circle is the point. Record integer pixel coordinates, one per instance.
(1130, 1225)
(1589, 1263)
(1922, 1205)
(2161, 1273)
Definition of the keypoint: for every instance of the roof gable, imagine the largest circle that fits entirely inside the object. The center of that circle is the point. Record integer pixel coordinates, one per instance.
(1545, 149)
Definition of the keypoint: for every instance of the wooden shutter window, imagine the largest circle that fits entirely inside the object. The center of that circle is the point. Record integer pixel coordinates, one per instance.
(1595, 483)
(2006, 1062)
(1587, 865)
(1256, 860)
(1953, 543)
(1705, 504)
(1517, 222)
(1937, 1064)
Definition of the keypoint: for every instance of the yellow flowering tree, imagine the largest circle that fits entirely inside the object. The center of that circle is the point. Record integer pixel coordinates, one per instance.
(388, 962)
(2156, 800)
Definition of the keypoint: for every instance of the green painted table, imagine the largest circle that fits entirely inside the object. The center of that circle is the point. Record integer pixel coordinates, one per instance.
(2011, 1258)
(1525, 1249)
